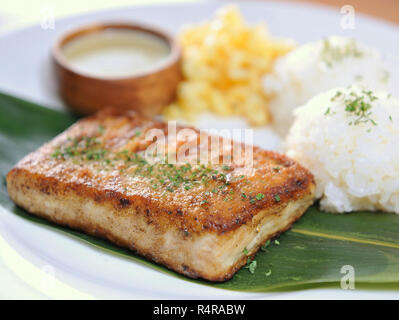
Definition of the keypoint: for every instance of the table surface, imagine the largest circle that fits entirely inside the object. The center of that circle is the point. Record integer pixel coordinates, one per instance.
(20, 13)
(383, 9)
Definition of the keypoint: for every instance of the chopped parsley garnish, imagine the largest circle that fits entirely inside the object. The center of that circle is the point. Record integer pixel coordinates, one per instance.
(337, 95)
(357, 106)
(327, 111)
(331, 54)
(160, 173)
(260, 196)
(56, 153)
(267, 243)
(251, 265)
(277, 197)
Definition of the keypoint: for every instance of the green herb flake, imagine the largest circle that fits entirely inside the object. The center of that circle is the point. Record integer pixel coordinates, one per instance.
(161, 173)
(264, 247)
(252, 266)
(56, 153)
(277, 197)
(327, 111)
(358, 106)
(260, 196)
(336, 96)
(331, 53)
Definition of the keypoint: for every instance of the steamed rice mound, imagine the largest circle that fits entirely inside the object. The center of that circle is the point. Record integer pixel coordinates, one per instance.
(316, 67)
(349, 139)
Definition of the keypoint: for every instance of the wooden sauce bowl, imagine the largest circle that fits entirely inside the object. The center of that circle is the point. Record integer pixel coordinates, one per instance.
(147, 92)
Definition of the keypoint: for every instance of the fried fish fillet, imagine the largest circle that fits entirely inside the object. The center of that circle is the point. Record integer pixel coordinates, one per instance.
(199, 220)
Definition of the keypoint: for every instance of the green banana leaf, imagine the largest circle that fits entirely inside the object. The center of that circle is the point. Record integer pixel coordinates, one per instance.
(311, 254)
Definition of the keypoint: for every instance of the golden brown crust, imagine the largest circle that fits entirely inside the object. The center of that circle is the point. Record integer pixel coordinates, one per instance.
(182, 208)
(171, 248)
(177, 229)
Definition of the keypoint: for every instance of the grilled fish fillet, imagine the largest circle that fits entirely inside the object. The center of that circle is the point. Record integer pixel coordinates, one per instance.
(199, 220)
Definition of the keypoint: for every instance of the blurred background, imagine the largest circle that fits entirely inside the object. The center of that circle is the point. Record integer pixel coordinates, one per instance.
(19, 13)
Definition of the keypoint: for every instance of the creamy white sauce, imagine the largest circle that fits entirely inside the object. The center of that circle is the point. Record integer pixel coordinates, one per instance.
(116, 53)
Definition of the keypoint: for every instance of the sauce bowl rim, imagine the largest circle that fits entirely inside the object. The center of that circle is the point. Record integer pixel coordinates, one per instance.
(173, 56)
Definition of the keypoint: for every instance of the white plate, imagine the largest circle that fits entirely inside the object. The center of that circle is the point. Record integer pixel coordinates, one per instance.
(36, 262)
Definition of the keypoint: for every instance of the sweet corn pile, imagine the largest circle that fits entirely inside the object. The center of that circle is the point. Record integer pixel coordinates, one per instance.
(224, 61)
